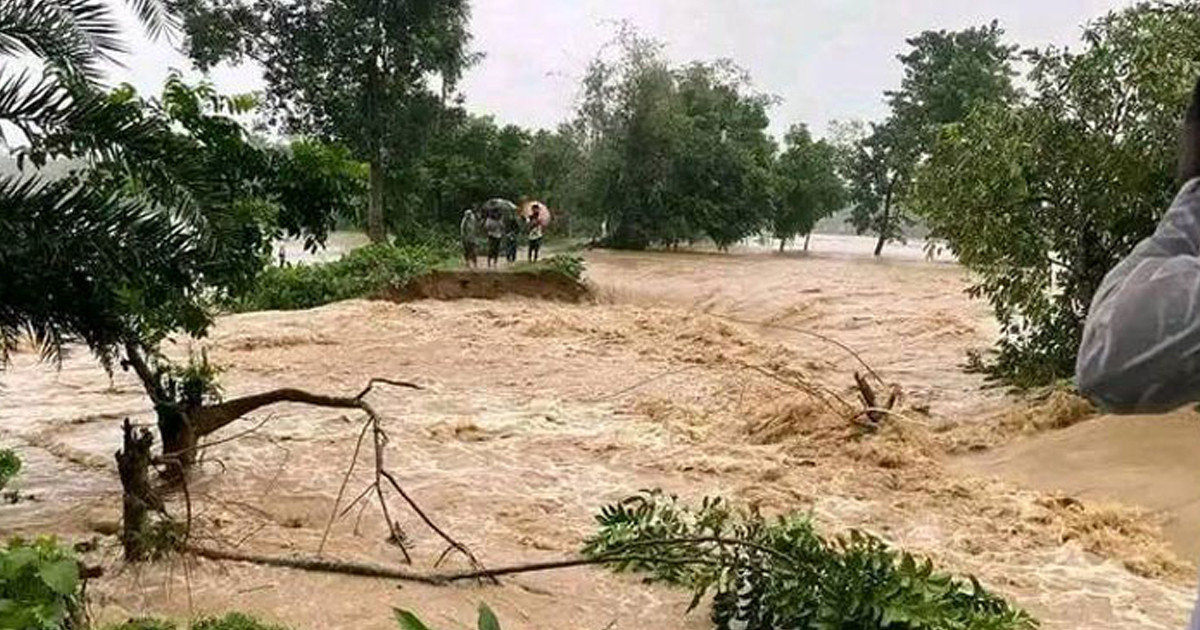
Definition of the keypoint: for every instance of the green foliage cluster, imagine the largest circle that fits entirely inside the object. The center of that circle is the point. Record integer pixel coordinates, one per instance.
(1041, 196)
(231, 621)
(808, 187)
(765, 574)
(409, 621)
(674, 154)
(10, 465)
(357, 72)
(946, 74)
(40, 587)
(567, 265)
(363, 272)
(173, 206)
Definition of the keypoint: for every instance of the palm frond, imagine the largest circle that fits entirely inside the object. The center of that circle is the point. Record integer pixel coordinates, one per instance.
(155, 16)
(91, 263)
(32, 104)
(70, 36)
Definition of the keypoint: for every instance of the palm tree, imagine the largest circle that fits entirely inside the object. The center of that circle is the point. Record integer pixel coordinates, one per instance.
(68, 245)
(170, 207)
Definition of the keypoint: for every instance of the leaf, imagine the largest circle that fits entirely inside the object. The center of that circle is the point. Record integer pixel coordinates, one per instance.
(61, 576)
(487, 619)
(409, 621)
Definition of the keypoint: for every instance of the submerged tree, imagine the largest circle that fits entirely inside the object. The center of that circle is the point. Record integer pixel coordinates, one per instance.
(808, 186)
(1041, 199)
(347, 71)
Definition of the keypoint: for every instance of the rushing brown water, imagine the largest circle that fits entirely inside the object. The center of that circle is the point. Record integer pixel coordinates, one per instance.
(536, 414)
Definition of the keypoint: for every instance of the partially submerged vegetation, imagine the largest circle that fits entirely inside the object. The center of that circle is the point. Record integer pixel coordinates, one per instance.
(364, 272)
(779, 573)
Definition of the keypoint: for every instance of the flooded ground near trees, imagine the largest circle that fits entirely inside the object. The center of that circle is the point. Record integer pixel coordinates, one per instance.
(535, 414)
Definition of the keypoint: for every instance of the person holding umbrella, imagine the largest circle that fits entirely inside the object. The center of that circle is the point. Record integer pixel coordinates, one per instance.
(539, 216)
(494, 209)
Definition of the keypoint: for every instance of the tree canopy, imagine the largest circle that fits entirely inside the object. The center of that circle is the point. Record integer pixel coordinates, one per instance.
(809, 188)
(350, 71)
(1043, 196)
(674, 153)
(946, 74)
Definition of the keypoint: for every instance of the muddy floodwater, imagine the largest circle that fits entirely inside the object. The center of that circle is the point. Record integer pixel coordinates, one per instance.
(687, 373)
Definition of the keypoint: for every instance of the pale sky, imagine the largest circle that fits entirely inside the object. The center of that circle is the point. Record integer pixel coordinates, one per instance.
(825, 59)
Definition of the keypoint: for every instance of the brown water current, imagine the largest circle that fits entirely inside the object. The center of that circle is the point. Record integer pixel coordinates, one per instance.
(535, 414)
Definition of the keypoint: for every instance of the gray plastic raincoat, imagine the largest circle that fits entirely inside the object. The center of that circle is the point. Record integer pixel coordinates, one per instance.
(1141, 344)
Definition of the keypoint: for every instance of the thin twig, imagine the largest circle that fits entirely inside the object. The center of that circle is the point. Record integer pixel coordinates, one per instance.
(808, 388)
(626, 390)
(421, 513)
(387, 381)
(397, 534)
(816, 335)
(345, 480)
(231, 438)
(362, 495)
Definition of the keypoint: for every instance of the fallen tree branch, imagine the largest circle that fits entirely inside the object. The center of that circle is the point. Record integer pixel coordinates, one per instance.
(318, 564)
(345, 480)
(322, 565)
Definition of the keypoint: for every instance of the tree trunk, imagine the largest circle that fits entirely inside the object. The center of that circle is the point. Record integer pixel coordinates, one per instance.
(133, 465)
(884, 224)
(782, 242)
(375, 228)
(179, 439)
(807, 238)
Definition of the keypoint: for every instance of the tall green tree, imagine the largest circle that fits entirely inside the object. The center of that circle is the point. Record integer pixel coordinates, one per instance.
(808, 188)
(357, 72)
(1042, 198)
(673, 154)
(721, 182)
(946, 74)
(876, 161)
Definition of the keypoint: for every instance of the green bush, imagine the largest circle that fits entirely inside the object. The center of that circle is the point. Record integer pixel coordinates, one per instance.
(360, 273)
(39, 586)
(10, 465)
(231, 621)
(767, 574)
(567, 265)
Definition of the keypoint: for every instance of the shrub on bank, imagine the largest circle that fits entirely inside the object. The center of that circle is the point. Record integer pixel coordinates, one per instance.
(360, 273)
(568, 265)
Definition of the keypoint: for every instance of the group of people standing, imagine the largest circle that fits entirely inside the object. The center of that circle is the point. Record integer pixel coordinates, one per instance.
(503, 229)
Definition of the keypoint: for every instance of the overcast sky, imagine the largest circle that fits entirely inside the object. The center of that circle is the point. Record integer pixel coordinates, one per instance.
(826, 59)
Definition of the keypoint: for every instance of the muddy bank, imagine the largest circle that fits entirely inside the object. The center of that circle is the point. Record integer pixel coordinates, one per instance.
(1147, 461)
(491, 285)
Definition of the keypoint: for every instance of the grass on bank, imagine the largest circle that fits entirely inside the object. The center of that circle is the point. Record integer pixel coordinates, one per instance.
(364, 272)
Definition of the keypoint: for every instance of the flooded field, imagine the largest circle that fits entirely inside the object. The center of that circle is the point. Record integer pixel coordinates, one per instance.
(534, 415)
